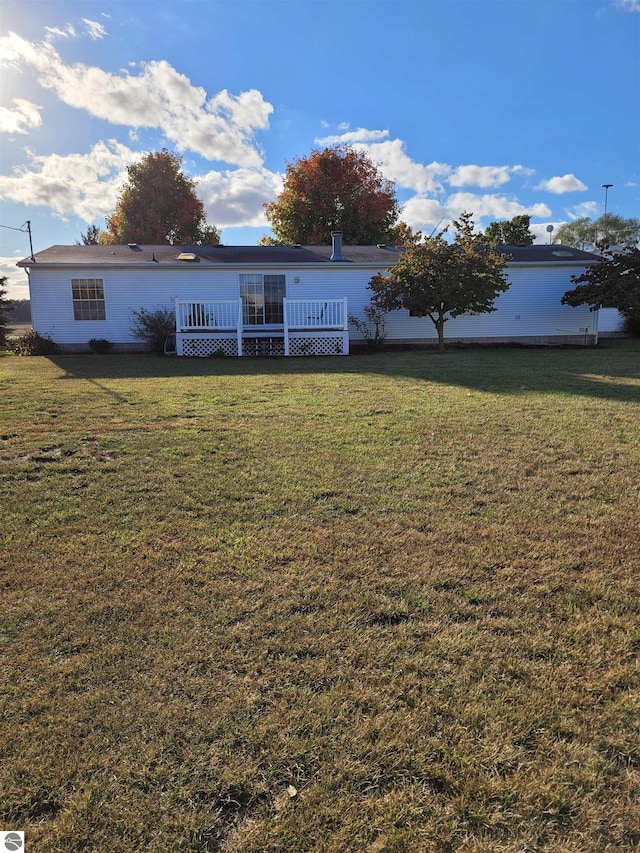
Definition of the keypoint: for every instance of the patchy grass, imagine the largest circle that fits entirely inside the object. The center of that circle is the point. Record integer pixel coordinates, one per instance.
(380, 603)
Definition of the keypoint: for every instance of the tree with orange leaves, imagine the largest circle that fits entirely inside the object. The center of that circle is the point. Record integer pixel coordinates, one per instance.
(338, 189)
(159, 204)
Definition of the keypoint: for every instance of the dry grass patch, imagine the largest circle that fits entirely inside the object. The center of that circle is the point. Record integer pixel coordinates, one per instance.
(381, 603)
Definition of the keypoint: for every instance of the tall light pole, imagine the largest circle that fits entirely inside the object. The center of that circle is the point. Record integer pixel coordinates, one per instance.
(606, 188)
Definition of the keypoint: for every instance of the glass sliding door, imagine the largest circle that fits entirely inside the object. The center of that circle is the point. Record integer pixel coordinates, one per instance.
(262, 296)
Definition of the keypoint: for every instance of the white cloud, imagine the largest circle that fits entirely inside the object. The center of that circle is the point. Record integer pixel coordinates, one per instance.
(629, 5)
(56, 32)
(220, 128)
(236, 197)
(494, 206)
(17, 283)
(482, 176)
(396, 165)
(13, 48)
(426, 214)
(83, 185)
(559, 185)
(95, 30)
(353, 136)
(22, 118)
(587, 208)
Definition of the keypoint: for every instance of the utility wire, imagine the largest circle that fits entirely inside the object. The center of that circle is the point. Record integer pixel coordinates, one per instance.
(23, 228)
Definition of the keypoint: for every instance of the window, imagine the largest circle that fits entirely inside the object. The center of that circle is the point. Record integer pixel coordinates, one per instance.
(88, 298)
(262, 297)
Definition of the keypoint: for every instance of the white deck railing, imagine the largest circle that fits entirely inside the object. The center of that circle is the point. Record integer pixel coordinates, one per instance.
(315, 313)
(224, 316)
(318, 317)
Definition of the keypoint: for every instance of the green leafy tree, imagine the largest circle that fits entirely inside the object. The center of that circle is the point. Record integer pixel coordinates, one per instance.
(610, 283)
(268, 240)
(610, 230)
(20, 311)
(93, 236)
(338, 189)
(440, 279)
(5, 308)
(404, 235)
(159, 204)
(511, 232)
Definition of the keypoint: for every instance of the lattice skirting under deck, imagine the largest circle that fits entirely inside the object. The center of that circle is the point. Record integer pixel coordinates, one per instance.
(330, 345)
(299, 344)
(206, 347)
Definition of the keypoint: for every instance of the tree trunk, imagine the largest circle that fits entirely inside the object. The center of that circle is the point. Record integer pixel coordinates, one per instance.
(440, 328)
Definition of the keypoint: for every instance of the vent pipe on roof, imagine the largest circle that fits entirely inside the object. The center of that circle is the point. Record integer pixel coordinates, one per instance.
(336, 246)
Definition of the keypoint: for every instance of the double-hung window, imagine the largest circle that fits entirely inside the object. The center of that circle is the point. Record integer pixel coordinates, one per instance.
(262, 296)
(88, 298)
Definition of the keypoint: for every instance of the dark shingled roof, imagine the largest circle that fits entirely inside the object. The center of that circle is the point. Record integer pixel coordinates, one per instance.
(550, 253)
(375, 256)
(379, 256)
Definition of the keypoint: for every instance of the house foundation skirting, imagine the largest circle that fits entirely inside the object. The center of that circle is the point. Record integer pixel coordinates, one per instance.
(263, 344)
(588, 340)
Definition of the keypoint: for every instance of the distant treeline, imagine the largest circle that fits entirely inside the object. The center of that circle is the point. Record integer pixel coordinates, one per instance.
(20, 311)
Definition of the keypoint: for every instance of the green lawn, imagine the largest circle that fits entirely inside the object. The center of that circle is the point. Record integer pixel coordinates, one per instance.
(377, 603)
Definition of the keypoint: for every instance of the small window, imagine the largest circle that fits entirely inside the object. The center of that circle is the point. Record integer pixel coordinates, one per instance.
(88, 298)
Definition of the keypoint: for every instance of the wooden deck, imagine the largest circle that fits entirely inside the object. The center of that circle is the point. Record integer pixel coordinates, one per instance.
(309, 327)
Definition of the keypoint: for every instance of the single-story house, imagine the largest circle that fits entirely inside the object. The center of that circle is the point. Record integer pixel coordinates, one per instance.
(282, 300)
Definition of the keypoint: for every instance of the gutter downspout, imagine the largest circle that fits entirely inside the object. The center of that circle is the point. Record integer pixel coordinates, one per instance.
(28, 272)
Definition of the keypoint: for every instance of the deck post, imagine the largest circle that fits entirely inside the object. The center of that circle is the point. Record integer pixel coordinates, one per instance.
(285, 317)
(239, 329)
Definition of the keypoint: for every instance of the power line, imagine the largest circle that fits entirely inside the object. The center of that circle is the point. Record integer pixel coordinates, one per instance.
(25, 229)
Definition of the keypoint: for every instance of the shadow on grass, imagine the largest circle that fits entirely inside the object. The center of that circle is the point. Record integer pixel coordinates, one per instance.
(610, 371)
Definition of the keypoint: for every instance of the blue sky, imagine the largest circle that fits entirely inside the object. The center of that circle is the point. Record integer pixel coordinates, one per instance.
(498, 107)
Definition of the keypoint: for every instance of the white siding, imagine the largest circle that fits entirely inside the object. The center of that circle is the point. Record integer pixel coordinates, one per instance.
(609, 321)
(125, 290)
(530, 309)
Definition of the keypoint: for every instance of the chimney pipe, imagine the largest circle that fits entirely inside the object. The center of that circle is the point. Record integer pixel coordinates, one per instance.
(336, 246)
